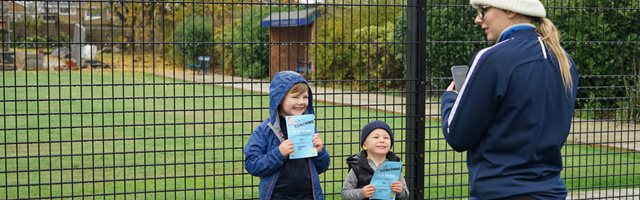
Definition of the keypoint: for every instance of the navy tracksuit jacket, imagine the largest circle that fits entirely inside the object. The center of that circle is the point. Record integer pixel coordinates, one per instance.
(512, 116)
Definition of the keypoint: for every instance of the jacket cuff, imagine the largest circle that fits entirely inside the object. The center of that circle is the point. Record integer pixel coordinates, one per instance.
(322, 153)
(276, 153)
(448, 95)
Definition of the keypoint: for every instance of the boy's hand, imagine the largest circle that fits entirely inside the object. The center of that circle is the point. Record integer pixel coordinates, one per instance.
(286, 147)
(317, 143)
(397, 187)
(367, 191)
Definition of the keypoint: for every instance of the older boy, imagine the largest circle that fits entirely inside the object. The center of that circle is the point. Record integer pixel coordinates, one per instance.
(268, 149)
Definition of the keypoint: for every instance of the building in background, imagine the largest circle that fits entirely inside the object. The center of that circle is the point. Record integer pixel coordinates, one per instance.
(290, 34)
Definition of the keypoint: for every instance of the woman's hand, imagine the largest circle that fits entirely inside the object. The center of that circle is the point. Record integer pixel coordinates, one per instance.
(452, 87)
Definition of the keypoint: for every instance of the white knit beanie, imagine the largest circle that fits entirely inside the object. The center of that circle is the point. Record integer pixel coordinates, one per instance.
(532, 8)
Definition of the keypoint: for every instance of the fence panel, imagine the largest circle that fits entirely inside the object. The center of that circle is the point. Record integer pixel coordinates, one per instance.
(148, 99)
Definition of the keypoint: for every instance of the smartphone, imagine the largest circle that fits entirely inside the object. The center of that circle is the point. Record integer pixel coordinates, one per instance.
(459, 74)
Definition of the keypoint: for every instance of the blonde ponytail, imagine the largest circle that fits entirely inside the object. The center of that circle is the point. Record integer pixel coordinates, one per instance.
(551, 38)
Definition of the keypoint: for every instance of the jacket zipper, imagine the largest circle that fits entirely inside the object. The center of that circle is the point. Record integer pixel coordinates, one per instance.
(273, 182)
(275, 178)
(313, 189)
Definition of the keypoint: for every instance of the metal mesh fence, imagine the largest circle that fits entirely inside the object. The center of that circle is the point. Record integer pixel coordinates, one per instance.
(156, 99)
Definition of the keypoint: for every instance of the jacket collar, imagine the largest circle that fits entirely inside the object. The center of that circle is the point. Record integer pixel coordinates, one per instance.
(361, 159)
(507, 32)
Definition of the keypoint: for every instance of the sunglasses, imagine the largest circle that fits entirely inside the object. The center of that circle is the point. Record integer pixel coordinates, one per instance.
(481, 10)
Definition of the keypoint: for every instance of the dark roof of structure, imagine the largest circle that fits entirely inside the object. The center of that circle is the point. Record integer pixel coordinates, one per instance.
(292, 18)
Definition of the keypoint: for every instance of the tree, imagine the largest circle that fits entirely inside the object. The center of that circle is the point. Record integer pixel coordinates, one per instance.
(193, 38)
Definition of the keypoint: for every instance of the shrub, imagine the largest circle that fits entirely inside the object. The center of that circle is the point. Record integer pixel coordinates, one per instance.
(377, 52)
(248, 56)
(602, 46)
(34, 41)
(331, 58)
(377, 60)
(192, 38)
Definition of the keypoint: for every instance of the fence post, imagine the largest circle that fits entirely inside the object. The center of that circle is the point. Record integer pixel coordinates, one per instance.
(416, 89)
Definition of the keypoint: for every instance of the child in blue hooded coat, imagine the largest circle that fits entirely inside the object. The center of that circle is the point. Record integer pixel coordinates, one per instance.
(268, 149)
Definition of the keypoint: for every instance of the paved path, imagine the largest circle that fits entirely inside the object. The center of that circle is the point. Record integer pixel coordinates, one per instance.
(613, 134)
(626, 194)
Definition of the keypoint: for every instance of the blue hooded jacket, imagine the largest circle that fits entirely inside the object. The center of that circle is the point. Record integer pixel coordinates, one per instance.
(262, 156)
(512, 116)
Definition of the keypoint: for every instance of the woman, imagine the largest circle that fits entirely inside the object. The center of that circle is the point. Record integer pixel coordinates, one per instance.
(514, 111)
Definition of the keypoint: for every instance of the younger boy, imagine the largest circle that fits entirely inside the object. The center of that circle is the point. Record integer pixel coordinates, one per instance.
(376, 140)
(267, 152)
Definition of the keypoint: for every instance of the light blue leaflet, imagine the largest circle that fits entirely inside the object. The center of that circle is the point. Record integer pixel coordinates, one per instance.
(383, 177)
(301, 129)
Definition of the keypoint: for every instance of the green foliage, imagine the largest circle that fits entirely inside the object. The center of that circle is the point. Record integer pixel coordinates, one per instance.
(377, 52)
(400, 34)
(369, 42)
(34, 41)
(447, 26)
(38, 41)
(601, 39)
(377, 58)
(634, 93)
(220, 15)
(331, 58)
(60, 37)
(192, 38)
(603, 50)
(31, 24)
(249, 55)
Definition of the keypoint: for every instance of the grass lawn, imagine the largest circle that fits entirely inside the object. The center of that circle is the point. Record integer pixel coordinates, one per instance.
(124, 135)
